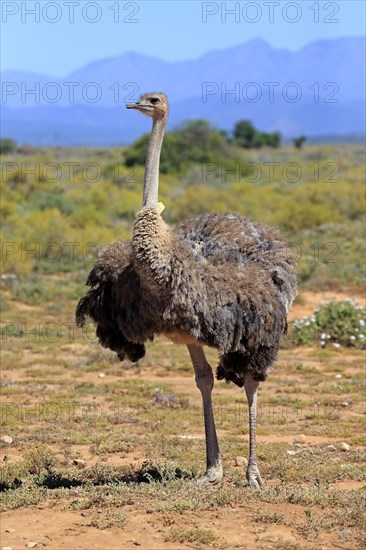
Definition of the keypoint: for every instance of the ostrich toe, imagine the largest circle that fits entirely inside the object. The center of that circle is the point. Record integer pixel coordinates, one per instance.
(213, 476)
(254, 477)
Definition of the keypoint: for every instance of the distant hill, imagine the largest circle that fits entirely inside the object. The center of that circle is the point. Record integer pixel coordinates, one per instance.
(318, 90)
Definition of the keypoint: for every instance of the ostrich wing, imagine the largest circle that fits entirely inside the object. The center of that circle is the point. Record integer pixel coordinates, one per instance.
(239, 293)
(114, 287)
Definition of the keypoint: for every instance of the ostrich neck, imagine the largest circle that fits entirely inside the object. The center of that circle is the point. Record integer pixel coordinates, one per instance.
(151, 182)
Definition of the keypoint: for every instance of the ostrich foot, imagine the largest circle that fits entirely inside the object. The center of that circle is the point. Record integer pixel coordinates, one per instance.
(254, 477)
(213, 476)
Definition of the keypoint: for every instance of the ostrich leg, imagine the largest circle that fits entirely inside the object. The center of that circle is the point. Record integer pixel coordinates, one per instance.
(205, 381)
(253, 475)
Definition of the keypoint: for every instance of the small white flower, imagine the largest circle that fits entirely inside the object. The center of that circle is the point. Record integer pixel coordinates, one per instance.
(361, 336)
(352, 337)
(323, 336)
(336, 345)
(307, 324)
(362, 322)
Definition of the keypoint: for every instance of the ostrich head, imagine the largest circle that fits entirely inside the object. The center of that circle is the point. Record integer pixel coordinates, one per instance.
(153, 104)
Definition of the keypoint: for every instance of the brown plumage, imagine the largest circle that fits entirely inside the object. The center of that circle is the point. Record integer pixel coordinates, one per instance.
(216, 280)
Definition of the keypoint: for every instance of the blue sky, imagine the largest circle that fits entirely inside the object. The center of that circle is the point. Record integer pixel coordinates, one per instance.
(69, 34)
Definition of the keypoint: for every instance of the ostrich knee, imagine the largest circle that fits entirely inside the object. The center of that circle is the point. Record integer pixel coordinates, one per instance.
(204, 380)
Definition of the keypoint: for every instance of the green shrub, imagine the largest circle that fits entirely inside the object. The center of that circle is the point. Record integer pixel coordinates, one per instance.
(247, 136)
(333, 323)
(11, 474)
(320, 210)
(50, 200)
(7, 145)
(194, 142)
(32, 291)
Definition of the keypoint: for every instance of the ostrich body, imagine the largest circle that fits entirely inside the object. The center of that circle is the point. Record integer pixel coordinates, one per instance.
(216, 280)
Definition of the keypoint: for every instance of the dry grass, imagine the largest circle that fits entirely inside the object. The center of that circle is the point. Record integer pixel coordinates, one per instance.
(105, 447)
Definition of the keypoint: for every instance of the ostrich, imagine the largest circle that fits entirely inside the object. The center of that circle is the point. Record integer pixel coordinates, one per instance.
(217, 280)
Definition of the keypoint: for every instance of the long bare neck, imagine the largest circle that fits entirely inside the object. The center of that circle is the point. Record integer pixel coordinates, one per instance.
(151, 182)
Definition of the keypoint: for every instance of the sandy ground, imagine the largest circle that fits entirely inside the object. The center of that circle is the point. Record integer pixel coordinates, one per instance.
(56, 529)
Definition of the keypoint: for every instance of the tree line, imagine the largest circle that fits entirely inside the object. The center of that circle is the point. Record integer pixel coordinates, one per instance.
(196, 141)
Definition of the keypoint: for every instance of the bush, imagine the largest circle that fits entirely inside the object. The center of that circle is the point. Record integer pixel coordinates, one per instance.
(38, 459)
(7, 145)
(44, 200)
(11, 474)
(333, 323)
(194, 142)
(299, 141)
(247, 136)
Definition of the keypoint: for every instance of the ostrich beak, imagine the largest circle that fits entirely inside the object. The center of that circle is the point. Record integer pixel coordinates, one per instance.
(135, 105)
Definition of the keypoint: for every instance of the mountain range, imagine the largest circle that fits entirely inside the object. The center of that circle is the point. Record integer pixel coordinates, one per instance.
(318, 90)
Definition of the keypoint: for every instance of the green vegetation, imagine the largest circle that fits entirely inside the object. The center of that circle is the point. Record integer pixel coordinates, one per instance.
(61, 206)
(114, 442)
(200, 536)
(247, 136)
(333, 323)
(7, 146)
(131, 442)
(299, 141)
(195, 142)
(110, 493)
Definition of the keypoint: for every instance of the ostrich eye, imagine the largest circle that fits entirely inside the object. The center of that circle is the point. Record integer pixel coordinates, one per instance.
(154, 100)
